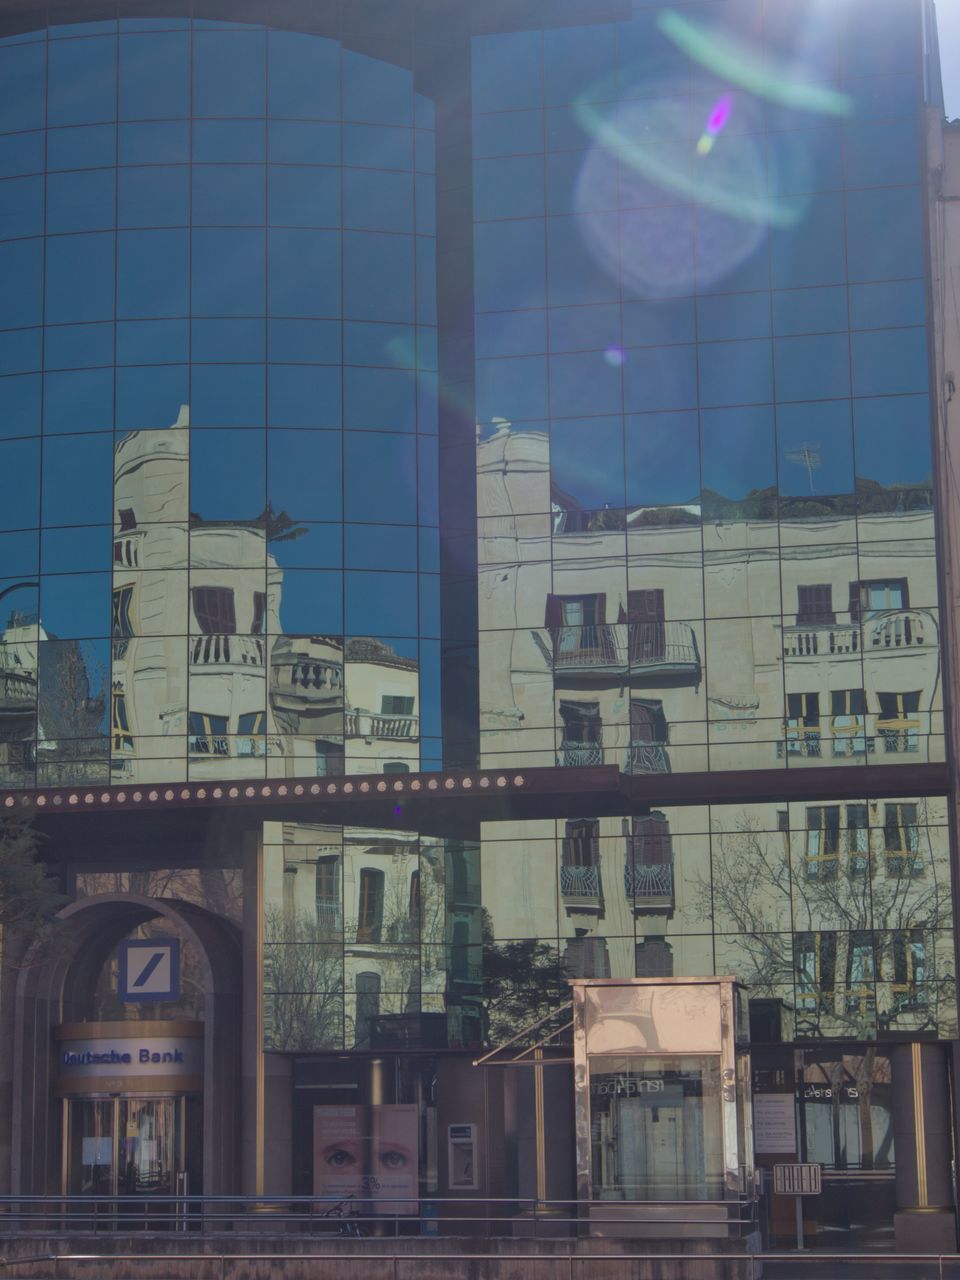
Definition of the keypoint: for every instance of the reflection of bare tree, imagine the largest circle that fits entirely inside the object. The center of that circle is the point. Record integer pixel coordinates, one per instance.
(74, 746)
(303, 980)
(217, 889)
(855, 934)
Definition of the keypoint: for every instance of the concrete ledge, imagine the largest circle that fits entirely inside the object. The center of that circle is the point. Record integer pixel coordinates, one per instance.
(186, 1256)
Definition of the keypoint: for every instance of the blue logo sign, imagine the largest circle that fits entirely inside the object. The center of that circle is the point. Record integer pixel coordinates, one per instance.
(150, 969)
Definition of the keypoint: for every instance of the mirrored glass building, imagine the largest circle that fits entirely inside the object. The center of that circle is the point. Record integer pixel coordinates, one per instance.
(469, 525)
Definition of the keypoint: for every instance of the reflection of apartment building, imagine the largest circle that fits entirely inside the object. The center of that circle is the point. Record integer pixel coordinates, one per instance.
(357, 905)
(830, 647)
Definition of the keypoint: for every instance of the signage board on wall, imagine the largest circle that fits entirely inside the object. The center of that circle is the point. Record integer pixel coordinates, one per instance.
(774, 1124)
(82, 1062)
(149, 969)
(367, 1158)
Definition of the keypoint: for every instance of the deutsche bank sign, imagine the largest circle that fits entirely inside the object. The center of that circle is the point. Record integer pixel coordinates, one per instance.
(119, 1056)
(149, 969)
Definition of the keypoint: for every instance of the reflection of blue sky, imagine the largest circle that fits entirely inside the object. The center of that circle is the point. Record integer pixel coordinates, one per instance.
(893, 439)
(737, 450)
(227, 474)
(824, 429)
(586, 460)
(75, 604)
(663, 463)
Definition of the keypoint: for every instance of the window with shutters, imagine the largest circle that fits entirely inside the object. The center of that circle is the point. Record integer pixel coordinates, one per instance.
(578, 630)
(258, 626)
(586, 958)
(815, 605)
(648, 868)
(861, 994)
(391, 704)
(120, 724)
(858, 840)
(580, 863)
(648, 738)
(208, 734)
(123, 612)
(214, 610)
(329, 918)
(848, 710)
(901, 840)
(904, 966)
(368, 1008)
(815, 969)
(653, 958)
(582, 735)
(874, 595)
(370, 907)
(250, 729)
(898, 723)
(802, 725)
(822, 842)
(647, 626)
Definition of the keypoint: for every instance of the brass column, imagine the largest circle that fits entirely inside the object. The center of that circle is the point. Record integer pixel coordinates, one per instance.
(925, 1220)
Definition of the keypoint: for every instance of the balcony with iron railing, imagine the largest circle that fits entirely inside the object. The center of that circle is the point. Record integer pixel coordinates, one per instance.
(329, 916)
(637, 647)
(201, 744)
(647, 757)
(888, 631)
(360, 723)
(576, 754)
(18, 692)
(649, 885)
(581, 888)
(227, 651)
(851, 738)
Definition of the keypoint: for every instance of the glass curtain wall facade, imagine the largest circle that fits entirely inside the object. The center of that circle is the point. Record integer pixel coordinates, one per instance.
(572, 357)
(705, 500)
(219, 349)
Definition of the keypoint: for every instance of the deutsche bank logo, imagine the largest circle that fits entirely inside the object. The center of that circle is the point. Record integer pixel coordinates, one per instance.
(150, 969)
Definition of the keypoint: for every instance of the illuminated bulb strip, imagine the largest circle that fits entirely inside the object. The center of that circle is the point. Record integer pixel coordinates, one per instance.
(374, 786)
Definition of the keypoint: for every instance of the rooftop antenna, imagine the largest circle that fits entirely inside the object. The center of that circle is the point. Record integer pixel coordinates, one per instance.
(809, 456)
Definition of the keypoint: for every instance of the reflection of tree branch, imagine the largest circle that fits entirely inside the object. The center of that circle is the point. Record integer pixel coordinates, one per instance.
(754, 885)
(303, 982)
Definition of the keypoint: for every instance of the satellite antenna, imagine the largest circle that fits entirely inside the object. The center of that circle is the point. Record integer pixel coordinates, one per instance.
(809, 456)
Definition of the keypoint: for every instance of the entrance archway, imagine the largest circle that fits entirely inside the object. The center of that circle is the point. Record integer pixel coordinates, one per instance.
(55, 986)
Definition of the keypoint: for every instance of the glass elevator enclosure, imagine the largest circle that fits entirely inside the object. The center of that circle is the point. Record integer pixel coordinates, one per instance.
(662, 1083)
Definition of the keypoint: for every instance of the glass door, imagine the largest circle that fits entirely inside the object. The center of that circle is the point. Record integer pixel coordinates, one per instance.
(91, 1149)
(132, 1146)
(149, 1145)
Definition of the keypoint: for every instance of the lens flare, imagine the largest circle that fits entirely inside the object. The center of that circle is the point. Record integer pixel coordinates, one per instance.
(736, 63)
(641, 137)
(715, 124)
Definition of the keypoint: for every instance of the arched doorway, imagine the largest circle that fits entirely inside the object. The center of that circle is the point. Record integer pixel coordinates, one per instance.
(55, 987)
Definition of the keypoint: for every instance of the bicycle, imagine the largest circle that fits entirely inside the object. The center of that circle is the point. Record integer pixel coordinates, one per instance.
(347, 1224)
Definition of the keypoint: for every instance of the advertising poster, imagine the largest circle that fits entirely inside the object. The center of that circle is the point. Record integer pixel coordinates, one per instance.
(367, 1155)
(774, 1124)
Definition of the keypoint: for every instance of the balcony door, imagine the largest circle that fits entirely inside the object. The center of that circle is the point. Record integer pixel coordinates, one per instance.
(645, 614)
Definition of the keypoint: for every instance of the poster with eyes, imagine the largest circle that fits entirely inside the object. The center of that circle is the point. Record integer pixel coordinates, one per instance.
(365, 1158)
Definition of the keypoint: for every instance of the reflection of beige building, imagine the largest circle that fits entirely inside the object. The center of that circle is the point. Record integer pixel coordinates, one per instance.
(830, 649)
(200, 696)
(664, 646)
(236, 695)
(366, 909)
